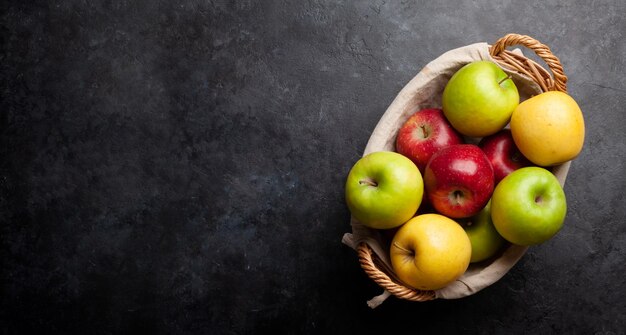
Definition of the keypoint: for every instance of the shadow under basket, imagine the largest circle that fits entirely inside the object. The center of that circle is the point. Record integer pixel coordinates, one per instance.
(424, 91)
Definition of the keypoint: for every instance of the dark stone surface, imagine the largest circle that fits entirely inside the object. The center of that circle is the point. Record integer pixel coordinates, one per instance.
(178, 167)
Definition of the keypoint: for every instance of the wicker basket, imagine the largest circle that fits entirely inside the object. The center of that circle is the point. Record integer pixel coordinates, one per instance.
(512, 62)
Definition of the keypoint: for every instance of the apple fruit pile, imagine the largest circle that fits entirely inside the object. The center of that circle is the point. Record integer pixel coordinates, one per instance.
(468, 178)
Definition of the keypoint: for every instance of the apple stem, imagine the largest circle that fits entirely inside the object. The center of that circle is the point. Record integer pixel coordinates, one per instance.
(368, 182)
(508, 76)
(456, 197)
(402, 248)
(424, 131)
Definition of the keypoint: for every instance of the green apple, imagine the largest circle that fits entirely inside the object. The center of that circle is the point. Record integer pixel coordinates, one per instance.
(479, 99)
(485, 239)
(384, 190)
(528, 206)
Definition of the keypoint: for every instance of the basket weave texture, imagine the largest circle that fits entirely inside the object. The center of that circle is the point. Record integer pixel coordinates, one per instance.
(553, 80)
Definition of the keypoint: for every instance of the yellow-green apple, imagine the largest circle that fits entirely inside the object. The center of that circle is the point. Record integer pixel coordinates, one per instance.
(528, 206)
(485, 239)
(549, 128)
(384, 190)
(458, 180)
(479, 99)
(423, 134)
(430, 251)
(503, 154)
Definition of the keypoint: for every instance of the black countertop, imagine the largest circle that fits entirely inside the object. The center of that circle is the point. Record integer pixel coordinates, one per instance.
(178, 167)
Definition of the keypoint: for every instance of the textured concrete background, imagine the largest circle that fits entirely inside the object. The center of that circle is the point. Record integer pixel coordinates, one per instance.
(178, 166)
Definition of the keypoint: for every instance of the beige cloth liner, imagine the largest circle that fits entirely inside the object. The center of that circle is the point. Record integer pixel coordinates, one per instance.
(424, 91)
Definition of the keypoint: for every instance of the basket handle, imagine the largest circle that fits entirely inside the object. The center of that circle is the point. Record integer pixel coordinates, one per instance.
(556, 82)
(368, 261)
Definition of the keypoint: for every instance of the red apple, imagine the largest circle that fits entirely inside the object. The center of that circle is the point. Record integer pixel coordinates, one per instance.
(503, 154)
(459, 180)
(423, 134)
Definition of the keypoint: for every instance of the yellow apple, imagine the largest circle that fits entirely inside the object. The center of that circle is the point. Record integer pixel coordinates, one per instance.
(430, 251)
(548, 128)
